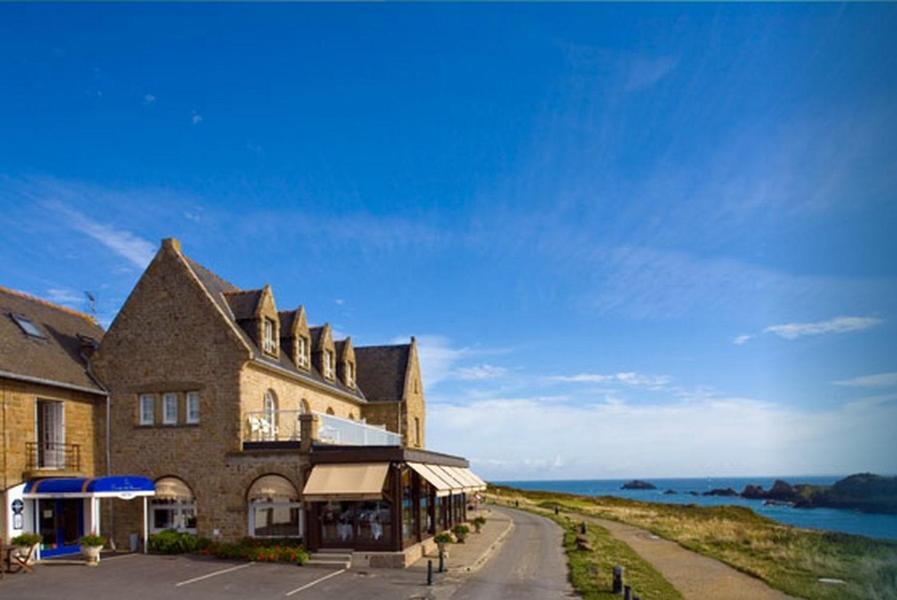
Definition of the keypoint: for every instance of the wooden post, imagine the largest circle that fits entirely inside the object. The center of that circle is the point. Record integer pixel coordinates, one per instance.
(627, 592)
(618, 580)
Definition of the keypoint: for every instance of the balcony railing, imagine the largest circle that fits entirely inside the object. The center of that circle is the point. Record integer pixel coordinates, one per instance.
(53, 457)
(284, 426)
(347, 432)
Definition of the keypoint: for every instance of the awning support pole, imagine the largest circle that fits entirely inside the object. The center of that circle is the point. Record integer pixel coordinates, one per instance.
(145, 524)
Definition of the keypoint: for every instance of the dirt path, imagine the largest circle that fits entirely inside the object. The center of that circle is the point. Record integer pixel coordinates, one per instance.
(695, 576)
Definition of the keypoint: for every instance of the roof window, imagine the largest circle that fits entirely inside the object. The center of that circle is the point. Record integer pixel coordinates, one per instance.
(26, 325)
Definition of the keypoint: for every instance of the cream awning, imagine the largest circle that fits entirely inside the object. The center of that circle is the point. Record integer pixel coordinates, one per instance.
(467, 475)
(469, 484)
(356, 481)
(451, 477)
(443, 487)
(478, 479)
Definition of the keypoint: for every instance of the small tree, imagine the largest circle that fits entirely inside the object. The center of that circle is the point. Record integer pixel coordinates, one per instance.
(478, 523)
(460, 532)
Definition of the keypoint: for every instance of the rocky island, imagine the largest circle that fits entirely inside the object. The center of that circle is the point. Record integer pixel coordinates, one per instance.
(865, 492)
(638, 484)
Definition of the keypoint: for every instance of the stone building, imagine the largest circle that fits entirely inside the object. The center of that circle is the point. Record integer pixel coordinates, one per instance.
(250, 422)
(52, 424)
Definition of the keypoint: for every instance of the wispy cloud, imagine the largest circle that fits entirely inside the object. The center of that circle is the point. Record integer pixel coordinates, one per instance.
(149, 99)
(871, 381)
(740, 340)
(196, 119)
(121, 241)
(646, 71)
(792, 331)
(480, 372)
(625, 378)
(65, 296)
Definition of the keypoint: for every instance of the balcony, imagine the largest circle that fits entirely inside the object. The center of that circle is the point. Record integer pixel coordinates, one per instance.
(49, 459)
(282, 429)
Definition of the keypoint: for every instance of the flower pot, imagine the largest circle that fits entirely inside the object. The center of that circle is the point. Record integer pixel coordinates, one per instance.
(23, 551)
(92, 554)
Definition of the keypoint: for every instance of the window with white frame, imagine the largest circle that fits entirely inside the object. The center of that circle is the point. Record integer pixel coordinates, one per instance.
(274, 508)
(147, 409)
(269, 343)
(303, 352)
(328, 364)
(173, 506)
(192, 407)
(169, 408)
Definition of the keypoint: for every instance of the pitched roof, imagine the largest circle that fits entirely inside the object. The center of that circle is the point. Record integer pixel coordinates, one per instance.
(55, 357)
(380, 371)
(235, 304)
(287, 317)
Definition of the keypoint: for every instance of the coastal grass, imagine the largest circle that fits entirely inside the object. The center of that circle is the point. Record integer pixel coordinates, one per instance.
(788, 558)
(591, 569)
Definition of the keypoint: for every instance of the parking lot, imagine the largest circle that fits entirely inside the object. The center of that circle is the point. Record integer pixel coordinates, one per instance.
(142, 577)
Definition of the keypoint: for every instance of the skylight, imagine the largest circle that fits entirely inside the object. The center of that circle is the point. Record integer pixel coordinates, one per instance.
(27, 326)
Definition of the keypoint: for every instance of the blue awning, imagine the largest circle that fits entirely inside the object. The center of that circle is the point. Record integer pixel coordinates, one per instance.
(118, 486)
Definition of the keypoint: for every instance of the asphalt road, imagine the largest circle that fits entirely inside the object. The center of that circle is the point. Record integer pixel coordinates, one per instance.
(529, 566)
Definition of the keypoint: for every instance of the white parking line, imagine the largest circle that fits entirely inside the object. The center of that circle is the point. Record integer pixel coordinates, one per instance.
(315, 582)
(213, 574)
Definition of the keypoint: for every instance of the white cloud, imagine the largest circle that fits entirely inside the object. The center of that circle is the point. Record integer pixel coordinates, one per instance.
(480, 372)
(626, 378)
(872, 381)
(197, 118)
(525, 438)
(149, 99)
(65, 296)
(124, 243)
(792, 331)
(741, 339)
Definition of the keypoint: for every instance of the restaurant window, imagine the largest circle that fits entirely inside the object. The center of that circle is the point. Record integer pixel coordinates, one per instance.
(408, 532)
(147, 409)
(173, 506)
(426, 519)
(274, 508)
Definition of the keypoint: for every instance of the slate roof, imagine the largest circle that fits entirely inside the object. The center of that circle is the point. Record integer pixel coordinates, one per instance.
(57, 356)
(380, 371)
(236, 303)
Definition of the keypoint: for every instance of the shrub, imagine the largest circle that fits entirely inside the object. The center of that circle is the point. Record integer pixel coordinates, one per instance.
(175, 542)
(444, 538)
(26, 539)
(460, 532)
(259, 551)
(478, 523)
(93, 540)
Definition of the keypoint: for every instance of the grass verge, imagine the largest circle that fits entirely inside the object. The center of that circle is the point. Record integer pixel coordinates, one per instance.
(787, 558)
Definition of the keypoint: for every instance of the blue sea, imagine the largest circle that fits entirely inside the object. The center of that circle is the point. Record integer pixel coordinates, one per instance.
(831, 519)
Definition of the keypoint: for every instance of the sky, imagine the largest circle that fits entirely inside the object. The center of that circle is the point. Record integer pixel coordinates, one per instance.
(632, 240)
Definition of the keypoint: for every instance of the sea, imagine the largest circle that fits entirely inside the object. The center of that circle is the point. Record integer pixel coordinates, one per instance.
(829, 519)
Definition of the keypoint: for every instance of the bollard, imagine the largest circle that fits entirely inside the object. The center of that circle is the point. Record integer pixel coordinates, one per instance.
(627, 592)
(442, 562)
(582, 527)
(618, 580)
(556, 510)
(636, 597)
(516, 502)
(429, 572)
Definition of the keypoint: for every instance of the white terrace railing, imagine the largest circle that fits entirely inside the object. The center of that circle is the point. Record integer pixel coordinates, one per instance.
(284, 425)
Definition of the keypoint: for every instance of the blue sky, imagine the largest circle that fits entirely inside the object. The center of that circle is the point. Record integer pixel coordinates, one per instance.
(633, 240)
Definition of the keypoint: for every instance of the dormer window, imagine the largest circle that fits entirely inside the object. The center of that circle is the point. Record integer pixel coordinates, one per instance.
(328, 364)
(269, 341)
(302, 352)
(350, 375)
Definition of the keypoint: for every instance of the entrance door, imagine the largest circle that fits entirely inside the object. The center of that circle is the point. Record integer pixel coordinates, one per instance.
(61, 525)
(51, 434)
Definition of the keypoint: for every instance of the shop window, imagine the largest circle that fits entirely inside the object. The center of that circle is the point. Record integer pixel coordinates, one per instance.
(408, 532)
(173, 506)
(274, 508)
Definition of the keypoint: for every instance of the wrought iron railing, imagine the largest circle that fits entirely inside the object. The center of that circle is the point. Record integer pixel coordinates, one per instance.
(53, 456)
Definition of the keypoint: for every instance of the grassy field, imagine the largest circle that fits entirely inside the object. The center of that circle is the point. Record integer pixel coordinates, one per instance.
(788, 558)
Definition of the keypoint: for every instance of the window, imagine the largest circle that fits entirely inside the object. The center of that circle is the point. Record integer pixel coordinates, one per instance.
(269, 421)
(193, 407)
(147, 409)
(328, 364)
(302, 358)
(350, 374)
(27, 326)
(173, 506)
(269, 344)
(170, 409)
(417, 431)
(274, 508)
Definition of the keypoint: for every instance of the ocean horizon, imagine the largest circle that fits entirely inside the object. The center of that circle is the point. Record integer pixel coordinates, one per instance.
(827, 519)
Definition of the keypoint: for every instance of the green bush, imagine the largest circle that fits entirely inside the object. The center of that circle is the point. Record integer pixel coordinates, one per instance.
(460, 532)
(93, 540)
(478, 523)
(259, 550)
(26, 539)
(175, 542)
(444, 538)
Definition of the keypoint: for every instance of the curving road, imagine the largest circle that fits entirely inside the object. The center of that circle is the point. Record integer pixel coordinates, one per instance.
(529, 566)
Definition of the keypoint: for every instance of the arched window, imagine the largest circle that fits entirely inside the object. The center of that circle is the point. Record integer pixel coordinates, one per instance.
(351, 416)
(274, 508)
(173, 506)
(330, 411)
(269, 420)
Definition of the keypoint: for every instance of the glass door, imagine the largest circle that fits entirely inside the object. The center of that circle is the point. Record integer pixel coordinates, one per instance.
(51, 434)
(61, 525)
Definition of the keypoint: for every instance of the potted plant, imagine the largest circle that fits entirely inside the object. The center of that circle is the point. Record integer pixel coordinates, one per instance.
(26, 543)
(460, 532)
(442, 540)
(91, 545)
(478, 523)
